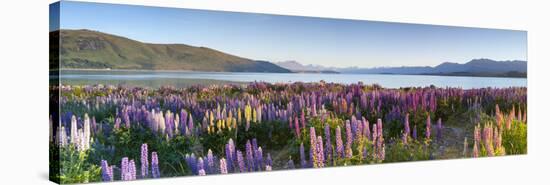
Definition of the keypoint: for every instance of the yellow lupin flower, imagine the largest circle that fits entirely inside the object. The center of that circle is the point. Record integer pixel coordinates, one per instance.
(254, 114)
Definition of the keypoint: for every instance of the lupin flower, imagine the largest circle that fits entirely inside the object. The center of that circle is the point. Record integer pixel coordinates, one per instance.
(200, 166)
(259, 159)
(106, 171)
(74, 131)
(488, 140)
(191, 161)
(339, 143)
(320, 153)
(124, 169)
(349, 141)
(303, 161)
(144, 161)
(475, 151)
(131, 170)
(249, 156)
(428, 127)
(202, 172)
(328, 145)
(240, 161)
(366, 127)
(155, 165)
(223, 166)
(407, 130)
(268, 160)
(415, 135)
(210, 161)
(297, 127)
(380, 128)
(290, 164)
(313, 145)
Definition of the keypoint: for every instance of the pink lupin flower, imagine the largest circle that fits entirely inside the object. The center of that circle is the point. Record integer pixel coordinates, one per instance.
(428, 127)
(339, 143)
(475, 151)
(320, 152)
(223, 166)
(313, 144)
(349, 140)
(297, 127)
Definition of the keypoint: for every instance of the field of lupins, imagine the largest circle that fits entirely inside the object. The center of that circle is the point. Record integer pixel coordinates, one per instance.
(109, 133)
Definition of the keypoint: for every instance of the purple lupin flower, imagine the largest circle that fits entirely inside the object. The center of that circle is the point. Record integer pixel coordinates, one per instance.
(254, 146)
(200, 166)
(303, 119)
(191, 161)
(339, 143)
(202, 172)
(117, 123)
(349, 140)
(328, 145)
(144, 161)
(240, 161)
(366, 127)
(249, 156)
(228, 155)
(290, 164)
(223, 166)
(106, 174)
(303, 161)
(407, 130)
(155, 165)
(414, 133)
(183, 122)
(210, 162)
(268, 160)
(232, 152)
(124, 169)
(259, 159)
(297, 127)
(131, 170)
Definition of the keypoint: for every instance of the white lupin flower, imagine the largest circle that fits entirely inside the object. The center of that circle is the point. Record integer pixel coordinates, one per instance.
(74, 130)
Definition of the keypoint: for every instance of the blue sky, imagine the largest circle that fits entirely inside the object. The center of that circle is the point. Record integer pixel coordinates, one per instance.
(328, 42)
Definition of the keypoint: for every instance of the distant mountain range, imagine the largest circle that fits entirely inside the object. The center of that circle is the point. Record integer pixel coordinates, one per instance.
(309, 68)
(86, 49)
(476, 67)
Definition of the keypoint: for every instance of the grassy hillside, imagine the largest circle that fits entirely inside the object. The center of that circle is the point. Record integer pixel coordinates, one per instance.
(85, 49)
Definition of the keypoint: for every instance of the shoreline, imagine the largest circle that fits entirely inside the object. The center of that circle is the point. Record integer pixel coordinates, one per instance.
(191, 71)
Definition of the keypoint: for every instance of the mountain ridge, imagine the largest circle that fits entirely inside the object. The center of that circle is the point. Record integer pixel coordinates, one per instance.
(474, 67)
(87, 49)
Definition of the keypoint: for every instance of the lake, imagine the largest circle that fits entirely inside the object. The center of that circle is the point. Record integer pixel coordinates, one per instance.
(156, 79)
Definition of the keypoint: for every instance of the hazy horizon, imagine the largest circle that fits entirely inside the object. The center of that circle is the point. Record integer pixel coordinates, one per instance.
(306, 40)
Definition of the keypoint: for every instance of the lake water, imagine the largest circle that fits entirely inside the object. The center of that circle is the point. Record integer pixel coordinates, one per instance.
(185, 78)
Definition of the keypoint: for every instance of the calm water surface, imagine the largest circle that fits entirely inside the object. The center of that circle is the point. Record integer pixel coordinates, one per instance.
(180, 78)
